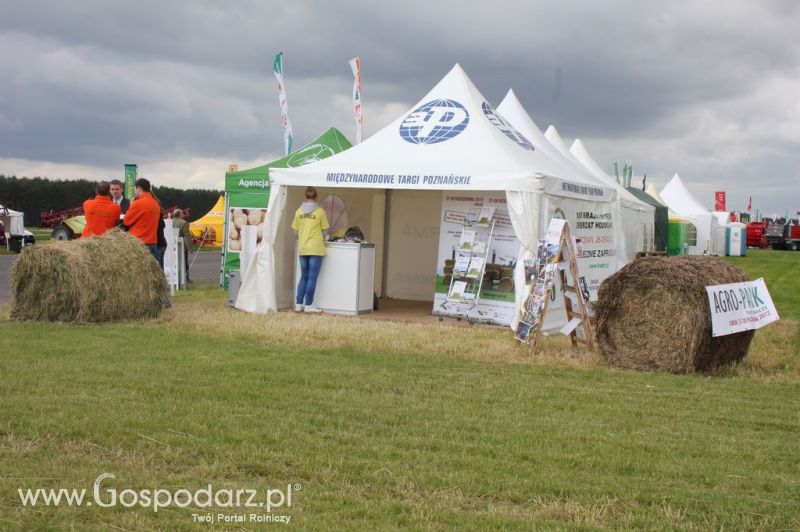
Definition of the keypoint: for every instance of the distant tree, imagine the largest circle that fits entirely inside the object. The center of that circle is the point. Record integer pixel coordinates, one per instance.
(35, 195)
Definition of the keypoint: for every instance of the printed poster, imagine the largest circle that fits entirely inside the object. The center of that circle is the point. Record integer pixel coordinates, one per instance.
(495, 303)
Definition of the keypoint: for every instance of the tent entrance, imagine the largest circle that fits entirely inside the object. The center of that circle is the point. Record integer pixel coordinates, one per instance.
(403, 225)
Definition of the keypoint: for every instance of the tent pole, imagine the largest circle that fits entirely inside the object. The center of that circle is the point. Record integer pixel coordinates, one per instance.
(387, 210)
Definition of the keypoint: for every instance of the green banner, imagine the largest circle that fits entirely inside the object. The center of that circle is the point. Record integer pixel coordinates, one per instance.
(130, 179)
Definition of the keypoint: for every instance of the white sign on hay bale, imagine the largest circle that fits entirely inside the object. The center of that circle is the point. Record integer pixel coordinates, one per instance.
(738, 307)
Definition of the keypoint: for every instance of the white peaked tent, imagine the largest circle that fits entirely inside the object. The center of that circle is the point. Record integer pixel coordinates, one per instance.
(638, 234)
(629, 217)
(638, 217)
(451, 142)
(703, 229)
(12, 221)
(673, 216)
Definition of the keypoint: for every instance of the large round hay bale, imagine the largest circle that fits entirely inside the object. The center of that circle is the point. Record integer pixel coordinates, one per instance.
(96, 279)
(653, 314)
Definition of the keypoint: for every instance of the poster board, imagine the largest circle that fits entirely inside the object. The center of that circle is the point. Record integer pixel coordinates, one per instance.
(495, 303)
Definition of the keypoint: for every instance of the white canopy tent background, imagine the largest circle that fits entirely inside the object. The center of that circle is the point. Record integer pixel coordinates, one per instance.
(678, 198)
(512, 110)
(393, 183)
(13, 221)
(638, 217)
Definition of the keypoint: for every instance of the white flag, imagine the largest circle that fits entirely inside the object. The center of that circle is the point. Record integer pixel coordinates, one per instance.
(355, 66)
(286, 125)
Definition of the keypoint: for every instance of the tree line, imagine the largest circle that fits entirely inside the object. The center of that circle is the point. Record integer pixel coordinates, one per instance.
(35, 195)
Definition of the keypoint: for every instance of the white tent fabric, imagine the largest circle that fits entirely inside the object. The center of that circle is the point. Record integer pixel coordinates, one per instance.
(678, 198)
(638, 217)
(451, 140)
(631, 216)
(12, 221)
(720, 240)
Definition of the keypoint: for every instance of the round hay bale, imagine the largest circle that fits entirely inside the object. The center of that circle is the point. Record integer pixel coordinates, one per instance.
(96, 279)
(506, 284)
(447, 279)
(493, 271)
(448, 270)
(449, 263)
(653, 314)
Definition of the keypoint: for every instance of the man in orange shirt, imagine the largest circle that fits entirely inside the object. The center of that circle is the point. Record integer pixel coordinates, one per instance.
(143, 216)
(101, 213)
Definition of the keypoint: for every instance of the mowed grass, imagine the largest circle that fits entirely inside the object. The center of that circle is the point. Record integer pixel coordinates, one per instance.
(781, 272)
(380, 440)
(391, 425)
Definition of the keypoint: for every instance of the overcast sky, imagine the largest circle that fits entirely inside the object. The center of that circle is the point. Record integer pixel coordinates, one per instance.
(710, 90)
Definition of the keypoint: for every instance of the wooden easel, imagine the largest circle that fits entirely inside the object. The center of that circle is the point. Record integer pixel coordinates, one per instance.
(565, 246)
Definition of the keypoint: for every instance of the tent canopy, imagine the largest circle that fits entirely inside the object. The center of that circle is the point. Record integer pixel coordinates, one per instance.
(704, 239)
(331, 142)
(582, 155)
(13, 221)
(209, 226)
(680, 200)
(634, 219)
(452, 139)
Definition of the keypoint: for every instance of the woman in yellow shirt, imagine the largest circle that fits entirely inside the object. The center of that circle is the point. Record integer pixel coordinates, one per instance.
(310, 225)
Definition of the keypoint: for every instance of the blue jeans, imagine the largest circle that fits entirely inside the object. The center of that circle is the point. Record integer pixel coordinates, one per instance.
(309, 271)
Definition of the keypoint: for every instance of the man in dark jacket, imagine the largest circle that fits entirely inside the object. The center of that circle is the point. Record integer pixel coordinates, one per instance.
(116, 195)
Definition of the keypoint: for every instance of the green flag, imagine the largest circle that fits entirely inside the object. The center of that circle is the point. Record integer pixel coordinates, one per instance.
(130, 179)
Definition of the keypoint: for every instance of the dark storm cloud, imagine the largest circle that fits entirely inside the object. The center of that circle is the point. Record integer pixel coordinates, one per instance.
(98, 82)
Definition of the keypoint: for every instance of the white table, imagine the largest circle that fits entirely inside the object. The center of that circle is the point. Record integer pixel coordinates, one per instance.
(346, 280)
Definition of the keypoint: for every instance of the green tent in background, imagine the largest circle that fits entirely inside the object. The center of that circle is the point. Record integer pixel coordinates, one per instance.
(661, 218)
(247, 193)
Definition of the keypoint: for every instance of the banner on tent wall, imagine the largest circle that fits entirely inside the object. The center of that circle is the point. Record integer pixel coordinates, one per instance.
(130, 179)
(496, 300)
(595, 235)
(246, 200)
(719, 201)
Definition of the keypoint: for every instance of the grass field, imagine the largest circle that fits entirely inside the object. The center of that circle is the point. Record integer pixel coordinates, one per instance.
(781, 272)
(388, 426)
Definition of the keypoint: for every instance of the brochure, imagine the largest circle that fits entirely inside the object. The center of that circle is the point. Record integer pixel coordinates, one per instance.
(461, 264)
(457, 290)
(467, 241)
(475, 267)
(485, 216)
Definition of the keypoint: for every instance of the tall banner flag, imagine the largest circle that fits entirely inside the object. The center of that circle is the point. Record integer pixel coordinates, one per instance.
(130, 179)
(719, 201)
(286, 125)
(750, 205)
(355, 66)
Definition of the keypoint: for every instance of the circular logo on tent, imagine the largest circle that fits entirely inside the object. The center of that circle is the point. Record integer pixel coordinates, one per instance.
(309, 154)
(507, 129)
(435, 121)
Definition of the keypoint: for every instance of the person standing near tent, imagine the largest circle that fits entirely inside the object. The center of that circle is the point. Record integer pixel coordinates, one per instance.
(101, 212)
(179, 223)
(310, 225)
